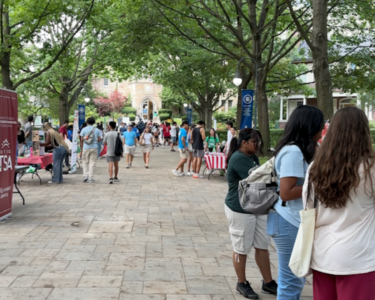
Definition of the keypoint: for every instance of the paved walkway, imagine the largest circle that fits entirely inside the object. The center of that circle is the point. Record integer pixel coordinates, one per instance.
(151, 236)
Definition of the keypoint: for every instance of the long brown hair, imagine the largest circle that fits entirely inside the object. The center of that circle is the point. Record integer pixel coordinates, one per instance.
(55, 136)
(336, 168)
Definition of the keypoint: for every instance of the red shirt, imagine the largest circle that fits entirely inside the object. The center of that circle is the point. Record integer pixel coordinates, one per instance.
(167, 131)
(64, 131)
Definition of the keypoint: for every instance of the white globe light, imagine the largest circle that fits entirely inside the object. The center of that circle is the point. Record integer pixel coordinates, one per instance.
(87, 99)
(237, 81)
(185, 105)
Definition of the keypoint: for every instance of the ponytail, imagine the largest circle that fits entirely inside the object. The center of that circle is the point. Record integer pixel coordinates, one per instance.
(233, 147)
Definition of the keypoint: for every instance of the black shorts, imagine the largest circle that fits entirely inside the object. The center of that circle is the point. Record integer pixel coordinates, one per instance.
(167, 138)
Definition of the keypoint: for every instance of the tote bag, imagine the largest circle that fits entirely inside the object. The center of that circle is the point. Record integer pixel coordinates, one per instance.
(300, 259)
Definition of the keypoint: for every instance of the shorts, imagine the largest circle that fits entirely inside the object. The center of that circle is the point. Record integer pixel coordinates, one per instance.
(190, 146)
(174, 139)
(129, 150)
(183, 153)
(113, 158)
(167, 138)
(146, 148)
(198, 153)
(247, 231)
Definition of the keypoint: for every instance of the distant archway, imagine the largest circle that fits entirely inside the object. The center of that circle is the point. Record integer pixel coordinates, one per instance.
(147, 107)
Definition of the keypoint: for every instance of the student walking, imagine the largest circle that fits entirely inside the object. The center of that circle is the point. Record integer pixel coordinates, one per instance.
(148, 145)
(190, 152)
(173, 135)
(167, 133)
(89, 143)
(112, 159)
(182, 148)
(100, 144)
(246, 230)
(198, 137)
(342, 179)
(294, 153)
(130, 140)
(229, 137)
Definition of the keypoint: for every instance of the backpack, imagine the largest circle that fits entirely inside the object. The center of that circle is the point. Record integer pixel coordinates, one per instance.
(119, 150)
(88, 139)
(258, 192)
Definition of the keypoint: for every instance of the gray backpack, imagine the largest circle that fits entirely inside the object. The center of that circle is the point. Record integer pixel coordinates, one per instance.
(258, 192)
(88, 139)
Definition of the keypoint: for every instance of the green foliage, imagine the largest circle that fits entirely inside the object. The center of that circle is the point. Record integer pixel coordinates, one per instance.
(165, 111)
(372, 133)
(372, 125)
(129, 110)
(275, 136)
(223, 117)
(163, 117)
(132, 117)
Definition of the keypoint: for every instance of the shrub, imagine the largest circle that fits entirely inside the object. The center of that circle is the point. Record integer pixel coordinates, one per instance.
(132, 117)
(275, 136)
(129, 110)
(165, 111)
(163, 117)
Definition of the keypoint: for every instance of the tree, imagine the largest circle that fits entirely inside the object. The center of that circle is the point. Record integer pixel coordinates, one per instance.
(113, 104)
(24, 23)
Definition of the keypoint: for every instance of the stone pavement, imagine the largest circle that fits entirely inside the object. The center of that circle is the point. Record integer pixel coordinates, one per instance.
(151, 236)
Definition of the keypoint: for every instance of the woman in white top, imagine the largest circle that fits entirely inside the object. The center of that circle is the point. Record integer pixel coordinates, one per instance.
(149, 143)
(342, 180)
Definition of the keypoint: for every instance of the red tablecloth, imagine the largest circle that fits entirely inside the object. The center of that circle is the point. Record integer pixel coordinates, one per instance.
(216, 161)
(43, 160)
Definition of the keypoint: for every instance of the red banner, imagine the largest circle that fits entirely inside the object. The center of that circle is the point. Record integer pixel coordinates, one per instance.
(8, 148)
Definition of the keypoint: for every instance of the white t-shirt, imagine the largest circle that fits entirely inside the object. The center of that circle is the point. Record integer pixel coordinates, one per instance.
(147, 137)
(229, 139)
(344, 242)
(173, 131)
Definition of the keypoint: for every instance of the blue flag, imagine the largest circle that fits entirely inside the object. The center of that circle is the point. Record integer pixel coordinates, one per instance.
(247, 109)
(81, 115)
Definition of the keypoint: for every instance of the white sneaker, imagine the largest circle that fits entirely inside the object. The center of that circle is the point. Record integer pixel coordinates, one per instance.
(189, 173)
(181, 174)
(175, 173)
(200, 176)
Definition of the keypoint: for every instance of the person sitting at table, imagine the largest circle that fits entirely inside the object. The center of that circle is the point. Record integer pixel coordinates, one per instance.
(212, 141)
(56, 142)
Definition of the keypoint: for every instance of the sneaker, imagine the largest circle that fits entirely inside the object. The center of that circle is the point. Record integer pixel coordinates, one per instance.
(181, 174)
(116, 179)
(85, 179)
(128, 166)
(91, 181)
(189, 173)
(110, 181)
(269, 288)
(245, 290)
(200, 176)
(195, 175)
(175, 173)
(173, 150)
(146, 166)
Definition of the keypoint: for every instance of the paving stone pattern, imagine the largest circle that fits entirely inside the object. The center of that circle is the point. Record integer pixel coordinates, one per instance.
(151, 236)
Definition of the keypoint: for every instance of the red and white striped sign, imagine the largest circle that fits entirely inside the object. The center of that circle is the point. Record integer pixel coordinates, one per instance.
(215, 161)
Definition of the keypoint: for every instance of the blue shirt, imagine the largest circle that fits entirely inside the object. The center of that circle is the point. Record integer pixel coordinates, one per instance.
(136, 131)
(181, 134)
(85, 131)
(129, 138)
(290, 163)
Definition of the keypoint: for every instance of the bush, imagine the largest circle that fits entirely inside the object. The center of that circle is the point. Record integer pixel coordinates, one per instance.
(163, 117)
(129, 110)
(372, 133)
(132, 117)
(165, 111)
(275, 136)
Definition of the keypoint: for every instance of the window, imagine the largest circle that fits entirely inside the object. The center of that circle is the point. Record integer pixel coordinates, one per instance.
(222, 105)
(230, 104)
(293, 104)
(299, 103)
(106, 81)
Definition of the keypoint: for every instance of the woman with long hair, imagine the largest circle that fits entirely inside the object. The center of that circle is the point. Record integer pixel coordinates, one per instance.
(149, 143)
(294, 153)
(212, 141)
(341, 179)
(56, 142)
(246, 230)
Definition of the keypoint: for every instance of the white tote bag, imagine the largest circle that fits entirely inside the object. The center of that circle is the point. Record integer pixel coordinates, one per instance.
(300, 259)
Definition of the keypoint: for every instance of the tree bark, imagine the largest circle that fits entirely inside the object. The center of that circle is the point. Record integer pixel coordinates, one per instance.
(263, 120)
(319, 39)
(5, 59)
(63, 105)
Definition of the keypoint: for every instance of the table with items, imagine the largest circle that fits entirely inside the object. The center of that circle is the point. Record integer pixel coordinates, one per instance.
(215, 161)
(42, 160)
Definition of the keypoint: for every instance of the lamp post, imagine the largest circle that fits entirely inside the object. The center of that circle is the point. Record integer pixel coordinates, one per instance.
(237, 80)
(87, 99)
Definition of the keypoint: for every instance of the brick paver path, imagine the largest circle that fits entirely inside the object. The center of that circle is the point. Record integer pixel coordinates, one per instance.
(151, 236)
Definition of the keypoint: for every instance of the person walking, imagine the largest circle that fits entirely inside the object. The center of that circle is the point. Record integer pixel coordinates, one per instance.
(167, 133)
(90, 136)
(341, 179)
(190, 152)
(100, 143)
(63, 130)
(55, 141)
(230, 135)
(122, 129)
(173, 135)
(294, 153)
(182, 148)
(29, 131)
(130, 140)
(112, 159)
(148, 145)
(212, 142)
(198, 137)
(84, 124)
(246, 230)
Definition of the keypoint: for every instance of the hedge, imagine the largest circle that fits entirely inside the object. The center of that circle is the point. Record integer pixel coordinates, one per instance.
(132, 117)
(165, 111)
(129, 110)
(163, 116)
(275, 136)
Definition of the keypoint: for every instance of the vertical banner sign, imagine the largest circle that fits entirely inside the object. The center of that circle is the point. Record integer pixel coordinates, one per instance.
(189, 113)
(247, 109)
(8, 137)
(81, 115)
(73, 168)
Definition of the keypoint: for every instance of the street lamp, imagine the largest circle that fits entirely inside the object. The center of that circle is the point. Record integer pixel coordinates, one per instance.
(237, 80)
(87, 99)
(185, 105)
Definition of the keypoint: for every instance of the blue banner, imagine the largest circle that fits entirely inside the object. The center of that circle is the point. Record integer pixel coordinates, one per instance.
(189, 113)
(81, 115)
(247, 109)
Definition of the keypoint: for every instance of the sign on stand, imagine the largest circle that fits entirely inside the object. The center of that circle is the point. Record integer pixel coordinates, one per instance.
(81, 114)
(8, 137)
(247, 109)
(73, 167)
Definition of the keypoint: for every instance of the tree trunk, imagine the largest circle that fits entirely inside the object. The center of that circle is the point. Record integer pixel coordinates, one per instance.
(208, 118)
(319, 38)
(263, 120)
(5, 59)
(63, 106)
